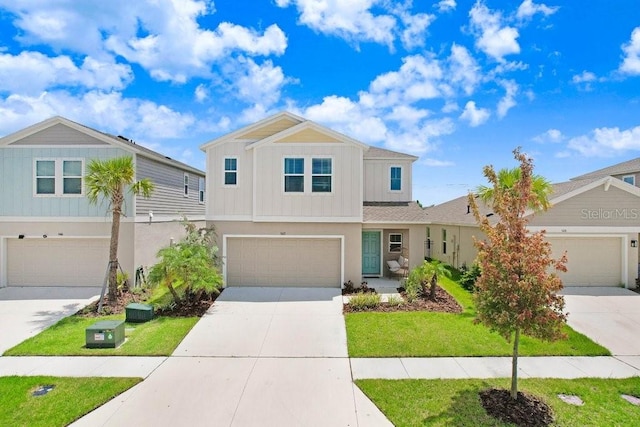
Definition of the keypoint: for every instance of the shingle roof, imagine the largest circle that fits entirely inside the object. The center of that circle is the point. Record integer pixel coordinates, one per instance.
(394, 212)
(630, 166)
(382, 153)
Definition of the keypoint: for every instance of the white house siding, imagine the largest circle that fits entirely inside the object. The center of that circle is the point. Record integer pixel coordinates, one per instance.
(345, 201)
(168, 198)
(224, 201)
(377, 181)
(352, 238)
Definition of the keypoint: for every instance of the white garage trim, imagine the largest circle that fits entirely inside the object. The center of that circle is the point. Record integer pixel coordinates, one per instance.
(624, 247)
(225, 238)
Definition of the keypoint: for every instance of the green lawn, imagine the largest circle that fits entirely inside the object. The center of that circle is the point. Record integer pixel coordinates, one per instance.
(456, 402)
(69, 400)
(428, 334)
(158, 337)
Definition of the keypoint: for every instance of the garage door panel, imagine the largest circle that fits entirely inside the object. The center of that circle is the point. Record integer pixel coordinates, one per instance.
(592, 261)
(57, 262)
(283, 262)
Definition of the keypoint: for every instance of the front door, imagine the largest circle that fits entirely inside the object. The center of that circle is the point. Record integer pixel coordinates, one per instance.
(371, 253)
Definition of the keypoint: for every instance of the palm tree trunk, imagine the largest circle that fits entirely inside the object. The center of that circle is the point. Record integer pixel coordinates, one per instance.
(514, 366)
(113, 246)
(434, 285)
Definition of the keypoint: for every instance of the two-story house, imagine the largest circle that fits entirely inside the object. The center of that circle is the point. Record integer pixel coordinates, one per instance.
(594, 217)
(50, 235)
(298, 204)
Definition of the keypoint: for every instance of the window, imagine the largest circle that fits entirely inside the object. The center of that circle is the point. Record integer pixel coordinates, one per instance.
(396, 178)
(293, 175)
(58, 177)
(629, 179)
(395, 242)
(230, 171)
(186, 185)
(201, 190)
(321, 175)
(444, 241)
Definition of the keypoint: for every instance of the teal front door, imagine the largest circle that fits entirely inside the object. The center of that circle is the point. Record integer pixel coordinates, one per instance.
(371, 253)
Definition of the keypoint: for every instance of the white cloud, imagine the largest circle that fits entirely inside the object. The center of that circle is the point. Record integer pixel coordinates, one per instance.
(492, 37)
(201, 93)
(445, 5)
(32, 72)
(450, 107)
(463, 69)
(631, 61)
(254, 83)
(606, 142)
(406, 115)
(551, 135)
(437, 163)
(508, 100)
(419, 139)
(475, 116)
(350, 20)
(528, 8)
(584, 77)
(415, 31)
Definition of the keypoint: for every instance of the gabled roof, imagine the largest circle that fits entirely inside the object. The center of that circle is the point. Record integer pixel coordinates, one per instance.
(630, 166)
(393, 213)
(118, 141)
(456, 211)
(384, 154)
(307, 124)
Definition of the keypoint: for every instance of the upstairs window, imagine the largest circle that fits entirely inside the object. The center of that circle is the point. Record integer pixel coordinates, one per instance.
(230, 171)
(395, 242)
(293, 175)
(186, 185)
(395, 178)
(629, 179)
(58, 177)
(321, 175)
(201, 190)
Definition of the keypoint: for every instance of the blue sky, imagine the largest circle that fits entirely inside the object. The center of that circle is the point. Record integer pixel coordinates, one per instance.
(458, 83)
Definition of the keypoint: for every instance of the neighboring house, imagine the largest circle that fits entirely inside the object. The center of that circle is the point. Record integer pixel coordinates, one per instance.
(595, 218)
(298, 204)
(50, 235)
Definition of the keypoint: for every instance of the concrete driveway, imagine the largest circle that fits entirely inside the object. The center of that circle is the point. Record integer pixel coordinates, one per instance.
(24, 312)
(259, 357)
(609, 316)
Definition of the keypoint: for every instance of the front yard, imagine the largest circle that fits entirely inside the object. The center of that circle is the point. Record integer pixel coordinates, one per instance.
(431, 334)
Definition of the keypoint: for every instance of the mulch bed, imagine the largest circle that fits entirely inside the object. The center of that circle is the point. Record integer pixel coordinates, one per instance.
(444, 303)
(526, 411)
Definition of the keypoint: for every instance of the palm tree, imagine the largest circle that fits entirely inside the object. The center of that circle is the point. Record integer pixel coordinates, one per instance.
(507, 179)
(437, 270)
(109, 179)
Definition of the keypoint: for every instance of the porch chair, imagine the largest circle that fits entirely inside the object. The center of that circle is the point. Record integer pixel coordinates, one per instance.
(399, 267)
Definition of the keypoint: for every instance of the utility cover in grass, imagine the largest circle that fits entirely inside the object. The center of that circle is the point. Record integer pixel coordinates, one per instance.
(42, 390)
(571, 399)
(631, 399)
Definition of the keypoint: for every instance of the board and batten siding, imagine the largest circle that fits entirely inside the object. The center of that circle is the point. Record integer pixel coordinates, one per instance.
(596, 207)
(168, 197)
(17, 190)
(229, 201)
(345, 200)
(377, 181)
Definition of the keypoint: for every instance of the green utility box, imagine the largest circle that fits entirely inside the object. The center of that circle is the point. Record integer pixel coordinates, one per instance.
(105, 334)
(138, 313)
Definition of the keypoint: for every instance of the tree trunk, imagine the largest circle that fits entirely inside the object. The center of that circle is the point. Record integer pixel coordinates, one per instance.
(113, 246)
(514, 366)
(434, 285)
(174, 294)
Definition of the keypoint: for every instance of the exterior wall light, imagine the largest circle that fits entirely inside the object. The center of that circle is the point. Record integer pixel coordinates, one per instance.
(634, 243)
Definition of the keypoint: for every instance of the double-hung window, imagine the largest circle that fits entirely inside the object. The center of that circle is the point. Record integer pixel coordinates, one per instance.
(321, 175)
(201, 190)
(395, 175)
(294, 175)
(230, 171)
(395, 242)
(58, 177)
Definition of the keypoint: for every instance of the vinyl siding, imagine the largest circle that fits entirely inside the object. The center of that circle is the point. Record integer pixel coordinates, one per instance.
(269, 130)
(168, 197)
(17, 190)
(377, 181)
(308, 135)
(59, 135)
(345, 201)
(225, 201)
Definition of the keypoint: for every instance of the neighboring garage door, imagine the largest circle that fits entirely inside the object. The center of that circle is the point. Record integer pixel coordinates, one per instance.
(57, 262)
(592, 261)
(304, 262)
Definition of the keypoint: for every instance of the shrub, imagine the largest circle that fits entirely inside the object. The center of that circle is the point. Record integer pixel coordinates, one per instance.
(394, 301)
(469, 277)
(364, 301)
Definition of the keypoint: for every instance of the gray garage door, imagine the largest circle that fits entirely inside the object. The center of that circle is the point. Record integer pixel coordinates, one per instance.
(304, 262)
(592, 261)
(57, 262)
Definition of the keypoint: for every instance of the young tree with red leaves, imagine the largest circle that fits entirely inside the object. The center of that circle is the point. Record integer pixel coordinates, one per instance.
(517, 291)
